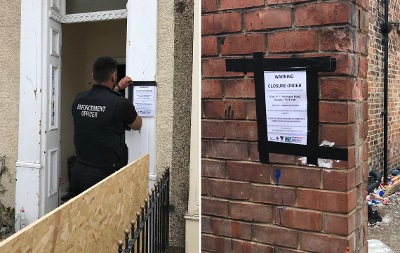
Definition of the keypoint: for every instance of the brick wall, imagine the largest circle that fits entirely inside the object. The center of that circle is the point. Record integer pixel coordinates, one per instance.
(375, 87)
(312, 209)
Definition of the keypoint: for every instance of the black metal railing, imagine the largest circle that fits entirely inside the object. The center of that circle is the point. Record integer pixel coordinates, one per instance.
(151, 234)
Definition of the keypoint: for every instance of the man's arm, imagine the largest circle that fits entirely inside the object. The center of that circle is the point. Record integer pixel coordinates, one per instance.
(128, 114)
(137, 124)
(128, 108)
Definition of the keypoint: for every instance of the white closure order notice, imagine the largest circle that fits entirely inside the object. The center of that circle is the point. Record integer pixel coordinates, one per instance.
(286, 106)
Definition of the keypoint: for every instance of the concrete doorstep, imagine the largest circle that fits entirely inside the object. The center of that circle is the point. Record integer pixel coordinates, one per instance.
(376, 246)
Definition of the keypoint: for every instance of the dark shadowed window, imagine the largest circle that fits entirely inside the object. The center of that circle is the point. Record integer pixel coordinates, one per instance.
(82, 6)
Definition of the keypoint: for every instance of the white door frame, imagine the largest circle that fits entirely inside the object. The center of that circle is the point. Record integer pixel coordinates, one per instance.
(141, 65)
(33, 113)
(34, 77)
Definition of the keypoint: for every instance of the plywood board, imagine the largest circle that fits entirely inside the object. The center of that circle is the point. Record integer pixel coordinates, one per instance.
(92, 221)
(391, 190)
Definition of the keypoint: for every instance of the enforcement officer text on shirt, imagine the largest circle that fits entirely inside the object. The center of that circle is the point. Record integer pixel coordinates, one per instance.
(90, 110)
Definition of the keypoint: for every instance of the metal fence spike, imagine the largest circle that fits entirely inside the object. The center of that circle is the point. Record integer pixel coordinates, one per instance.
(151, 227)
(126, 231)
(120, 243)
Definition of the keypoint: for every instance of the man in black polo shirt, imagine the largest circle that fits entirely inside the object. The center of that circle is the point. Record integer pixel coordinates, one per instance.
(100, 115)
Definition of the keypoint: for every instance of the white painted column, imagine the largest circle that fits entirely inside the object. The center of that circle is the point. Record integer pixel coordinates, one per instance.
(29, 164)
(192, 241)
(141, 65)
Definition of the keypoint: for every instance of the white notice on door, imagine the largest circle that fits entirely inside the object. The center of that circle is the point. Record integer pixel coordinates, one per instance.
(144, 100)
(286, 104)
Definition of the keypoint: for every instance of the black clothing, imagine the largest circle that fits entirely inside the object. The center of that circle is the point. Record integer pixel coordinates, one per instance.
(99, 117)
(124, 112)
(373, 216)
(85, 176)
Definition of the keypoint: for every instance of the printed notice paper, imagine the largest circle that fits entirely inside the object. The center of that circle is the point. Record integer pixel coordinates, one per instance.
(144, 100)
(286, 104)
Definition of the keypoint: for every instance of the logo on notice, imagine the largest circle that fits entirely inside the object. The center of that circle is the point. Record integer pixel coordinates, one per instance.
(283, 76)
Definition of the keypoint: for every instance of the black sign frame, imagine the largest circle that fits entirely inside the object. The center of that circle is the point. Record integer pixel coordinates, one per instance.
(312, 65)
(139, 83)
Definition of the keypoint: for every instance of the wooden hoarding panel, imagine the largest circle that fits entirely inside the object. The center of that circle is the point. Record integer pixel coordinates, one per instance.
(91, 222)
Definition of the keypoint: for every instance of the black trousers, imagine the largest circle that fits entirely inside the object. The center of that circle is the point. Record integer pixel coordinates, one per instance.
(85, 176)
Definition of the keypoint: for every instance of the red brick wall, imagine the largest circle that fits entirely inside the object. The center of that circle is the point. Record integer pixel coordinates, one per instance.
(312, 209)
(375, 87)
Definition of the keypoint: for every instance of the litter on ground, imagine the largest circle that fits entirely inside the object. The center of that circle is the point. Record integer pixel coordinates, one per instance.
(383, 215)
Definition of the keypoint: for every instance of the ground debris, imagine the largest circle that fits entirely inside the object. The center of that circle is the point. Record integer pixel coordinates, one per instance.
(388, 229)
(7, 220)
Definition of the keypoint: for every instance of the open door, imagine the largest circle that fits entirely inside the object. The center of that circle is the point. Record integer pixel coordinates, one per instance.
(50, 181)
(141, 65)
(38, 164)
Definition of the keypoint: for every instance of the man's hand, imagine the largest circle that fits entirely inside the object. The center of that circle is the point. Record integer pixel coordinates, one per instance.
(124, 83)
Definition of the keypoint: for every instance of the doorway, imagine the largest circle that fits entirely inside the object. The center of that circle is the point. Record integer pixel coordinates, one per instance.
(58, 47)
(82, 44)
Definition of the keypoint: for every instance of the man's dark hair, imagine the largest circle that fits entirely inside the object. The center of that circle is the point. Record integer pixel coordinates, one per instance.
(103, 68)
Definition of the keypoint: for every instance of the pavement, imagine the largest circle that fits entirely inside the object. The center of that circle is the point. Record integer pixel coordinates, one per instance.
(376, 246)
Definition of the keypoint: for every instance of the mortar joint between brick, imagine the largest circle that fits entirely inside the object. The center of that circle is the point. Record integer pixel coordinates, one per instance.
(290, 5)
(319, 39)
(250, 192)
(224, 127)
(219, 5)
(325, 190)
(207, 188)
(329, 234)
(322, 221)
(338, 102)
(266, 44)
(228, 99)
(338, 124)
(298, 240)
(292, 16)
(282, 29)
(223, 89)
(223, 79)
(245, 9)
(313, 210)
(351, 78)
(324, 26)
(321, 180)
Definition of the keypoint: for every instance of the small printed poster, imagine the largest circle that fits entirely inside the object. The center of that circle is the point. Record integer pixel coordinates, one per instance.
(286, 106)
(144, 100)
